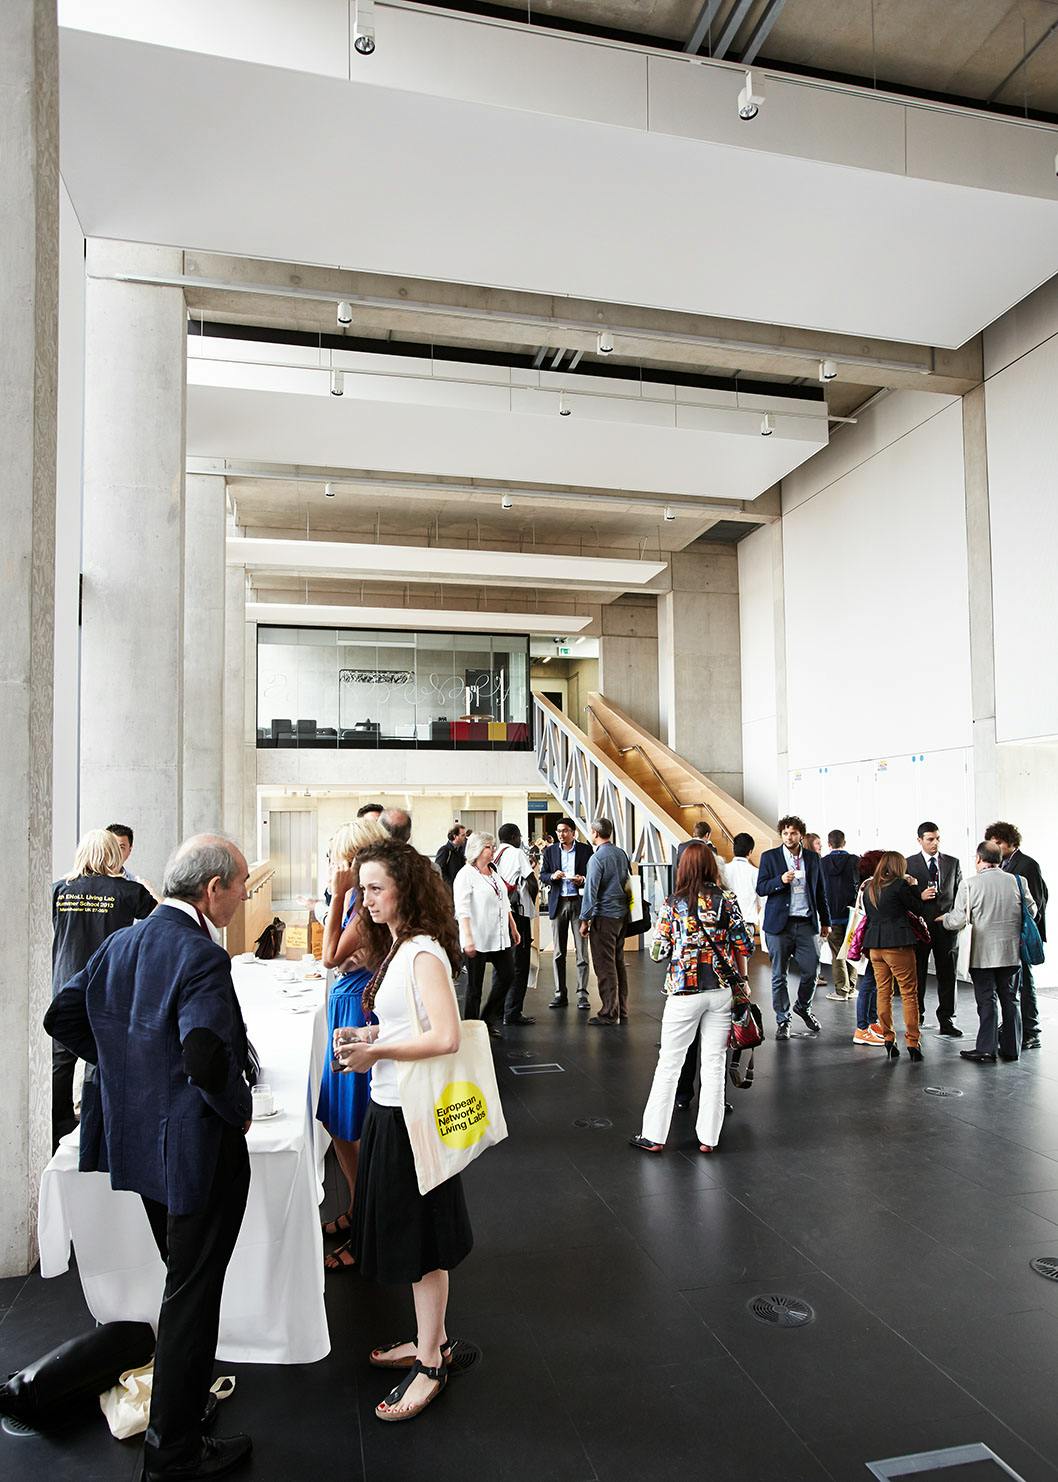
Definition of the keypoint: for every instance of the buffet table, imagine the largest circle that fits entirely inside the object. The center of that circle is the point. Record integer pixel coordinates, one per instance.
(272, 1311)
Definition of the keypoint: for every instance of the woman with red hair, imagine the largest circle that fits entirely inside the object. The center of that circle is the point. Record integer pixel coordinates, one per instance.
(701, 931)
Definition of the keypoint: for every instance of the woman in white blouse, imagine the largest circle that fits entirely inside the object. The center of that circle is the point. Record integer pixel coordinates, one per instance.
(486, 931)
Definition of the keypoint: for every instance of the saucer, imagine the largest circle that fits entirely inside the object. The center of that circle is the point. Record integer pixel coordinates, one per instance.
(267, 1116)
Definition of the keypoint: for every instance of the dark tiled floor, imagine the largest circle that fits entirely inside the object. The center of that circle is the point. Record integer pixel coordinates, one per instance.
(608, 1290)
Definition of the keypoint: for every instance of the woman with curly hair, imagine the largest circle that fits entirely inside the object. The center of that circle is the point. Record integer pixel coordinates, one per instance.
(701, 930)
(343, 1099)
(399, 1235)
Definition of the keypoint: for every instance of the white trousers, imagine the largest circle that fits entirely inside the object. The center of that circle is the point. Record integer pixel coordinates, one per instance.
(707, 1014)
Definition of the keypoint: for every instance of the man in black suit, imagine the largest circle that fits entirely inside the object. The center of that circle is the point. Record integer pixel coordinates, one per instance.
(563, 870)
(1016, 862)
(944, 873)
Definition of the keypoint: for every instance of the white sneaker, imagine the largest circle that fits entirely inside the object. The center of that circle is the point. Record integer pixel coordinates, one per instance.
(839, 997)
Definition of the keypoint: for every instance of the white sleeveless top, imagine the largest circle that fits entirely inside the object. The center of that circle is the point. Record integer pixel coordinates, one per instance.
(391, 1010)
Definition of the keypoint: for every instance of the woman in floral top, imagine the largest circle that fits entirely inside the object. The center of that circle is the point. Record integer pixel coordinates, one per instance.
(702, 933)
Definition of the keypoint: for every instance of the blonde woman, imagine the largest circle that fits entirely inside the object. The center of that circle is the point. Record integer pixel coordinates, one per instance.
(92, 901)
(344, 1098)
(486, 931)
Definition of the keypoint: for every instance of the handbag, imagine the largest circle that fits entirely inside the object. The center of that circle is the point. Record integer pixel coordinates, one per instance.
(747, 1027)
(640, 927)
(854, 951)
(856, 915)
(451, 1103)
(919, 929)
(44, 1393)
(270, 943)
(1032, 953)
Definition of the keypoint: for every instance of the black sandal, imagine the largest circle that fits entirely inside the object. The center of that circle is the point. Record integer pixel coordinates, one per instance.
(397, 1393)
(333, 1228)
(336, 1262)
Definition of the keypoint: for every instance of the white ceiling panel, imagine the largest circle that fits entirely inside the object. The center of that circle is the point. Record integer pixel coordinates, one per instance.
(208, 153)
(323, 431)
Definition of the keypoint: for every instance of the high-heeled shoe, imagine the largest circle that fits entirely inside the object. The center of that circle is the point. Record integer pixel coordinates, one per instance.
(892, 1050)
(914, 1053)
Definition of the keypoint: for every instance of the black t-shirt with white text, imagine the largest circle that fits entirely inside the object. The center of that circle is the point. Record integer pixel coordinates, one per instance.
(84, 912)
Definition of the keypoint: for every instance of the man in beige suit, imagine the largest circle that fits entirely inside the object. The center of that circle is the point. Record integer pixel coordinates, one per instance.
(990, 904)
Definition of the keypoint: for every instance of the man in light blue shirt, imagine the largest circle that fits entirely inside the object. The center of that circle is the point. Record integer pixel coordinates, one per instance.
(563, 870)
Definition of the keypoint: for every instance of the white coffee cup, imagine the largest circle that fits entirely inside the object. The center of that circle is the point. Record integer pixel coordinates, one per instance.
(264, 1103)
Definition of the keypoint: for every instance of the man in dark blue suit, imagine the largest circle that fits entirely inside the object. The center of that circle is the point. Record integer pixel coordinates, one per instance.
(563, 870)
(796, 916)
(155, 1013)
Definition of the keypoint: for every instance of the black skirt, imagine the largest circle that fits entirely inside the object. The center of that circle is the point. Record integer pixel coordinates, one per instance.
(398, 1234)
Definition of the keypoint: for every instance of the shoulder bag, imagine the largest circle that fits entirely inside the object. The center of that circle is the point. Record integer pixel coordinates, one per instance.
(451, 1103)
(1032, 953)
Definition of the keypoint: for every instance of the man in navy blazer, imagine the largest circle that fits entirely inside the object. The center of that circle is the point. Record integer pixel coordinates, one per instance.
(796, 916)
(155, 1013)
(562, 869)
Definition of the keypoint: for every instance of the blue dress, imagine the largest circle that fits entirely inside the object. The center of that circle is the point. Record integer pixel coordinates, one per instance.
(344, 1095)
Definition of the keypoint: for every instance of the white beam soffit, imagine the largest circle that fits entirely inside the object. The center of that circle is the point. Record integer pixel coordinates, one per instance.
(452, 151)
(708, 454)
(312, 615)
(438, 564)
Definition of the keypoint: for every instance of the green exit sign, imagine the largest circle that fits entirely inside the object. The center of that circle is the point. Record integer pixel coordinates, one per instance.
(564, 651)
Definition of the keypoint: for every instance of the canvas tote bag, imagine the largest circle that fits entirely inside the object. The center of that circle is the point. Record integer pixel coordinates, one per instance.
(451, 1103)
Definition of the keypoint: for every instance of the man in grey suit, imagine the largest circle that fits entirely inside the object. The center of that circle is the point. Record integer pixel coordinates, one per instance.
(928, 866)
(990, 904)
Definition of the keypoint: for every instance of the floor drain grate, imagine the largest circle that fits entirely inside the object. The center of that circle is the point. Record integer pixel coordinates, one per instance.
(551, 1068)
(597, 1124)
(1046, 1266)
(942, 1091)
(12, 1427)
(781, 1312)
(463, 1357)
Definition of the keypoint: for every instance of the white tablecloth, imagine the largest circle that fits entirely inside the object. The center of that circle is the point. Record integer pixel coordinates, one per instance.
(272, 1311)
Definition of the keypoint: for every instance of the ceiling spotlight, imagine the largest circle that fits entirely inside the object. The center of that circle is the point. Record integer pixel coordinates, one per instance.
(749, 100)
(670, 513)
(563, 408)
(337, 383)
(604, 343)
(345, 312)
(328, 491)
(766, 428)
(828, 370)
(364, 27)
(506, 502)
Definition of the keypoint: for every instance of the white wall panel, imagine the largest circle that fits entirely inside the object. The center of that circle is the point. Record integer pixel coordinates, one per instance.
(876, 605)
(1023, 497)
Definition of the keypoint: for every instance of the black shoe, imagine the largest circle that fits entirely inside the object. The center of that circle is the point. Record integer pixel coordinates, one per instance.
(584, 1003)
(892, 1050)
(914, 1053)
(682, 1103)
(809, 1018)
(1007, 1057)
(604, 1023)
(980, 1057)
(1032, 1043)
(560, 1001)
(951, 1030)
(495, 1033)
(216, 1458)
(518, 1019)
(782, 1031)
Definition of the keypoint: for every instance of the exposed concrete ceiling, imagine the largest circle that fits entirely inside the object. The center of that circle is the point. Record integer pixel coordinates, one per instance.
(955, 48)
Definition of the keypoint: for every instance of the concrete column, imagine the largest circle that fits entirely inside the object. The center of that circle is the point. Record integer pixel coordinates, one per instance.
(29, 291)
(628, 658)
(239, 725)
(979, 583)
(699, 680)
(132, 646)
(204, 654)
